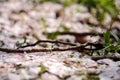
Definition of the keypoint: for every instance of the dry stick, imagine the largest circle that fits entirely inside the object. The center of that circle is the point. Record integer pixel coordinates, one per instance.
(47, 41)
(8, 50)
(81, 34)
(115, 58)
(97, 46)
(77, 48)
(81, 47)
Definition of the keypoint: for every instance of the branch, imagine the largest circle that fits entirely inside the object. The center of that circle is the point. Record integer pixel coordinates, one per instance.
(77, 48)
(115, 58)
(47, 41)
(81, 34)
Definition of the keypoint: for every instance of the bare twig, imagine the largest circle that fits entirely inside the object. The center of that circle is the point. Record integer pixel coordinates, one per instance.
(77, 48)
(115, 58)
(47, 41)
(81, 34)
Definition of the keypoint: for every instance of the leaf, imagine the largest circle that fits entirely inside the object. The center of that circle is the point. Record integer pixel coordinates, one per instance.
(43, 69)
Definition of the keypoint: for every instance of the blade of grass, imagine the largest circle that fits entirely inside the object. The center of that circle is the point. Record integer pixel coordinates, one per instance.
(107, 41)
(115, 36)
(107, 38)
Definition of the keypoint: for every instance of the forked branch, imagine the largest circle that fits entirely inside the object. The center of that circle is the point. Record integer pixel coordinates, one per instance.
(96, 46)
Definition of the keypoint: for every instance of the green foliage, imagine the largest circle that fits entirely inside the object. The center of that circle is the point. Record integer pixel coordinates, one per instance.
(107, 38)
(102, 7)
(109, 46)
(115, 36)
(90, 3)
(116, 46)
(68, 2)
(109, 7)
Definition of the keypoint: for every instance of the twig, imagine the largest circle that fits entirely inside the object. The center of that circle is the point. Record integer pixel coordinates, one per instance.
(47, 41)
(81, 34)
(77, 48)
(115, 58)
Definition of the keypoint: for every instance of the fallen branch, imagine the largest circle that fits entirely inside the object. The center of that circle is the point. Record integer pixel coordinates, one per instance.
(82, 47)
(77, 48)
(47, 41)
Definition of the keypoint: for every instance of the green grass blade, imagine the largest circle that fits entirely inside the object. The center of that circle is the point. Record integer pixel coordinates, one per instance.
(115, 36)
(107, 38)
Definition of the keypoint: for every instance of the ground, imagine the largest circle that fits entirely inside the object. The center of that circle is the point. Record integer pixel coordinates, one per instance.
(19, 19)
